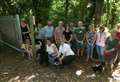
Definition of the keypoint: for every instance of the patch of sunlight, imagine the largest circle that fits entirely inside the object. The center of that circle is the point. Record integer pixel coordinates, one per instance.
(110, 79)
(119, 64)
(14, 79)
(116, 74)
(5, 73)
(91, 76)
(28, 78)
(107, 31)
(79, 72)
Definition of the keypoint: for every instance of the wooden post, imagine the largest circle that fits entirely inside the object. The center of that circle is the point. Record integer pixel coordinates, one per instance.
(32, 33)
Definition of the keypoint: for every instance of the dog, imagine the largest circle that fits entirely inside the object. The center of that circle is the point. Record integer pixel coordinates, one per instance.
(41, 54)
(98, 68)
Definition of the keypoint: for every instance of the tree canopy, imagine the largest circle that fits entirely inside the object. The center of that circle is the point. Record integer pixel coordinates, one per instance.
(89, 11)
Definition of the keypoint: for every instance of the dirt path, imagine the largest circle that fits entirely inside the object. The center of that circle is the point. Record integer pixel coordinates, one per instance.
(14, 68)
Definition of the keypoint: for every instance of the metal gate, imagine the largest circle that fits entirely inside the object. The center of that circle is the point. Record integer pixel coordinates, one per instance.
(10, 31)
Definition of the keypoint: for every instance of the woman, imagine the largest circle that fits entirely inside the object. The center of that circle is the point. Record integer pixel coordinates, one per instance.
(66, 55)
(67, 35)
(90, 40)
(100, 44)
(25, 31)
(58, 33)
(52, 52)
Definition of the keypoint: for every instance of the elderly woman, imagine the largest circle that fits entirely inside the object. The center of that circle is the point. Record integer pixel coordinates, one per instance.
(66, 55)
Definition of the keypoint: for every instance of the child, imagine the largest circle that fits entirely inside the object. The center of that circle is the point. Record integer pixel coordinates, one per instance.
(90, 38)
(101, 37)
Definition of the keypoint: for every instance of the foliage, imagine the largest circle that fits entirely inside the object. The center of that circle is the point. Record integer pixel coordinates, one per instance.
(66, 10)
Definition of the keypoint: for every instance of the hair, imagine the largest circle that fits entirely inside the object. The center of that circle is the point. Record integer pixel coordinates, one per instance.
(118, 26)
(50, 40)
(67, 25)
(91, 26)
(102, 28)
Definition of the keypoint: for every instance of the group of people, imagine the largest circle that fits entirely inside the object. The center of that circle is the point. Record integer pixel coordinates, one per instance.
(65, 42)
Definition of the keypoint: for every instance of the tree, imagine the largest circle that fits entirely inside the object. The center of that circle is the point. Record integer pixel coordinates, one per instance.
(41, 10)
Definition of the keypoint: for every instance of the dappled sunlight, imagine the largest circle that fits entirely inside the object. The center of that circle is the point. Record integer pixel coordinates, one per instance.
(115, 76)
(79, 72)
(28, 78)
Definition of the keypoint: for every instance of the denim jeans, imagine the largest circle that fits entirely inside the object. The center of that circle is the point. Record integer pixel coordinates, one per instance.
(90, 50)
(100, 52)
(51, 59)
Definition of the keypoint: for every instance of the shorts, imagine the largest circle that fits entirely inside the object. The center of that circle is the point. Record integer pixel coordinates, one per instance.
(80, 45)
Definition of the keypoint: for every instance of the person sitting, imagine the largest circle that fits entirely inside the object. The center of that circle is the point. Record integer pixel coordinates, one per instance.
(66, 55)
(112, 52)
(27, 49)
(52, 52)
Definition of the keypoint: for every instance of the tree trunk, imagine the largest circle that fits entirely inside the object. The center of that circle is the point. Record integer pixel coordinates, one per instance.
(83, 9)
(66, 10)
(41, 10)
(90, 13)
(113, 14)
(99, 11)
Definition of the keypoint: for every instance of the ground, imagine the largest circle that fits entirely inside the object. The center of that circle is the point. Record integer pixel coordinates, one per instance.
(14, 68)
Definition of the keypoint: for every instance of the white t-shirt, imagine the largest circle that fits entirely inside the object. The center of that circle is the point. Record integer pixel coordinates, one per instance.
(50, 49)
(66, 50)
(101, 39)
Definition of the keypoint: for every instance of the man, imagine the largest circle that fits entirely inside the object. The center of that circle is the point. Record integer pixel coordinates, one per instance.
(58, 33)
(79, 37)
(37, 29)
(48, 30)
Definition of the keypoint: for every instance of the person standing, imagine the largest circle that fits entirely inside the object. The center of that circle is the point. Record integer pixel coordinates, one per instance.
(25, 31)
(37, 29)
(48, 30)
(90, 42)
(68, 34)
(80, 36)
(58, 33)
(101, 37)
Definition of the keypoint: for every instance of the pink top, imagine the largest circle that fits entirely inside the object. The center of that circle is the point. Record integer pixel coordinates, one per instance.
(101, 38)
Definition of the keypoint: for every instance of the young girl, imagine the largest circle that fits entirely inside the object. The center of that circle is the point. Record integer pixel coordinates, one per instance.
(52, 52)
(90, 38)
(100, 44)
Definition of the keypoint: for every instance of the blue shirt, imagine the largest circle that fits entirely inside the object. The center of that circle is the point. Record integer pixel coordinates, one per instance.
(48, 31)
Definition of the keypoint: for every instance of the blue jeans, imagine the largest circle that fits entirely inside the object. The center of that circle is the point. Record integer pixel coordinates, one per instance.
(90, 50)
(51, 59)
(100, 52)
